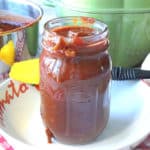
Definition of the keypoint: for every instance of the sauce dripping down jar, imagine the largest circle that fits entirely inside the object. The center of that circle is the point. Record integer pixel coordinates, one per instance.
(75, 74)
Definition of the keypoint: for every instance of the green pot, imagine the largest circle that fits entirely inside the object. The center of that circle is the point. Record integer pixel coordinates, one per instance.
(134, 41)
(128, 22)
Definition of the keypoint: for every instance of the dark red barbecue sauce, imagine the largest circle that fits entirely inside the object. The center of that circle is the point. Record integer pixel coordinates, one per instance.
(75, 74)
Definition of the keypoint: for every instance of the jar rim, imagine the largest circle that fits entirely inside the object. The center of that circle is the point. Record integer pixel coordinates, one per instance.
(101, 33)
(90, 43)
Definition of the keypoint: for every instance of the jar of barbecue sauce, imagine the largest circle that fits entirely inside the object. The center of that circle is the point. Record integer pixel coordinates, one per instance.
(75, 70)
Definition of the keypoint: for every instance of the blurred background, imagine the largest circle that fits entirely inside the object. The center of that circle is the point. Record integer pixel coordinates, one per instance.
(128, 22)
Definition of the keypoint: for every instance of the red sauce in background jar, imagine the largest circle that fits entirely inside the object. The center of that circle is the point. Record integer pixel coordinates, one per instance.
(75, 70)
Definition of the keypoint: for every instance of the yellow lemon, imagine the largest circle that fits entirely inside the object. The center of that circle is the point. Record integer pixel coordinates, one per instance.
(7, 53)
(26, 71)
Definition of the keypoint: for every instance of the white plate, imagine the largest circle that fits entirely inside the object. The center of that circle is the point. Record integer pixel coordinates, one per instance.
(21, 123)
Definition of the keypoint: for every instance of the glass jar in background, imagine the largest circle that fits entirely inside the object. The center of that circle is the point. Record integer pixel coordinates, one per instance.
(75, 70)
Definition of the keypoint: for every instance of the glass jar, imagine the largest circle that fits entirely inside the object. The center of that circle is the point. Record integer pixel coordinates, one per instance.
(75, 70)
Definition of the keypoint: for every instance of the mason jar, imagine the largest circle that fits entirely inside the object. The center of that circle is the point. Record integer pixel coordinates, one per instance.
(75, 74)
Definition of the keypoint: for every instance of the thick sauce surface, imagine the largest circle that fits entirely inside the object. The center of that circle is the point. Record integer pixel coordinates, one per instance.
(5, 26)
(74, 85)
(10, 21)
